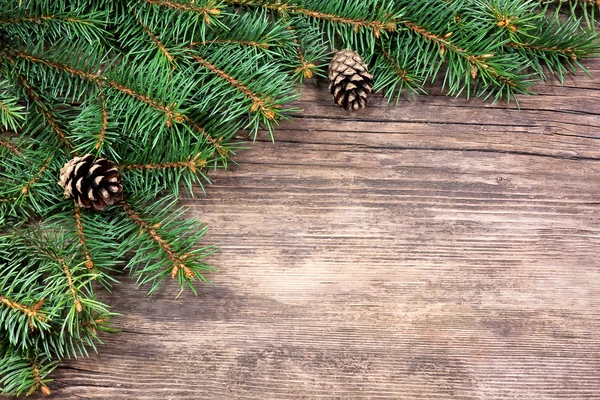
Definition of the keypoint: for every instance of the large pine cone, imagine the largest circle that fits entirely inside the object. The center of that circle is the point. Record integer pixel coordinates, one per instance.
(93, 184)
(349, 81)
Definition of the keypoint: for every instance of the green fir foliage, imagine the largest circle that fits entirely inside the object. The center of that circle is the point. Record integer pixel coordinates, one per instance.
(161, 87)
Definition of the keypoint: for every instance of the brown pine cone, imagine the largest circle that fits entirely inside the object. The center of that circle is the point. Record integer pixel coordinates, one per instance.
(349, 81)
(92, 184)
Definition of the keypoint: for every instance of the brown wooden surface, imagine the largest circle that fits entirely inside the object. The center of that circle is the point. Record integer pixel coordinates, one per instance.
(444, 249)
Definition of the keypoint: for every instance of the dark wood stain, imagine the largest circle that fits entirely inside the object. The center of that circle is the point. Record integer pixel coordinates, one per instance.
(443, 249)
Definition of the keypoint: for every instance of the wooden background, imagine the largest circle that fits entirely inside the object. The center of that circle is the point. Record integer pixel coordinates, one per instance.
(444, 249)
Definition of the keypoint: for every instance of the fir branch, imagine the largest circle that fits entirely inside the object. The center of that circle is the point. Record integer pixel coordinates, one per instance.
(62, 67)
(12, 148)
(401, 74)
(104, 129)
(251, 43)
(25, 189)
(32, 313)
(264, 105)
(168, 110)
(41, 19)
(279, 6)
(305, 69)
(570, 52)
(310, 48)
(170, 58)
(82, 241)
(67, 272)
(585, 2)
(478, 62)
(11, 113)
(36, 177)
(43, 109)
(178, 261)
(376, 26)
(210, 9)
(217, 143)
(38, 382)
(193, 164)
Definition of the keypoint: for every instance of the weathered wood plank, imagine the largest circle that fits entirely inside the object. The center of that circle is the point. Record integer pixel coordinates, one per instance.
(445, 249)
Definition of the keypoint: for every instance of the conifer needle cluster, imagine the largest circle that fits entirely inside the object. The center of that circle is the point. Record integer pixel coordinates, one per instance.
(160, 88)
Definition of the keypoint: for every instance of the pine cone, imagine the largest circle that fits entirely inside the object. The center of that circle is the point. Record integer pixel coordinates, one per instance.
(93, 184)
(349, 81)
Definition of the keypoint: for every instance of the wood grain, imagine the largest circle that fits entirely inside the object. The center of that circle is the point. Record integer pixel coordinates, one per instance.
(443, 249)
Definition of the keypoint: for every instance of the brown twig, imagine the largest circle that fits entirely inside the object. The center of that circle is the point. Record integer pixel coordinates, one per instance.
(569, 51)
(32, 312)
(12, 148)
(79, 227)
(48, 117)
(262, 45)
(40, 19)
(258, 103)
(376, 26)
(400, 72)
(157, 42)
(37, 176)
(192, 164)
(208, 11)
(37, 381)
(104, 128)
(178, 261)
(67, 272)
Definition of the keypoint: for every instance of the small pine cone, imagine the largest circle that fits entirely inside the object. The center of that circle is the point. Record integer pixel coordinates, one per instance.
(349, 81)
(93, 184)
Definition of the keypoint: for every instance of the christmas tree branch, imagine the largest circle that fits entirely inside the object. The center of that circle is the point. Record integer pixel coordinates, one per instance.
(570, 52)
(281, 7)
(36, 177)
(11, 113)
(38, 382)
(210, 9)
(478, 62)
(193, 164)
(177, 260)
(217, 143)
(25, 188)
(402, 75)
(170, 58)
(310, 47)
(12, 148)
(251, 43)
(62, 67)
(585, 2)
(41, 19)
(43, 109)
(305, 69)
(168, 110)
(81, 235)
(104, 128)
(376, 26)
(60, 261)
(32, 313)
(265, 106)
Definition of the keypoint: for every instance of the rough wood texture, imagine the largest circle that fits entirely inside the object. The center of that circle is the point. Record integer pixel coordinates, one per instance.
(444, 249)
